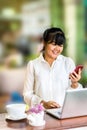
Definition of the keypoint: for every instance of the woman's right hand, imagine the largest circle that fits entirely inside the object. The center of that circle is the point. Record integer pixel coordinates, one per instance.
(50, 104)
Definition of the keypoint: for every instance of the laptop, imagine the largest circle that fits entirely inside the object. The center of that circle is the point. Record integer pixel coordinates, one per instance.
(75, 104)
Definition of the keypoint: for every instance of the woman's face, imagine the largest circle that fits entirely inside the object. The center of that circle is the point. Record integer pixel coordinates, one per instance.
(52, 50)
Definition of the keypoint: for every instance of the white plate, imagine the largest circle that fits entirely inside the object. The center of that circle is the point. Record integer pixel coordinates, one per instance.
(16, 118)
(41, 124)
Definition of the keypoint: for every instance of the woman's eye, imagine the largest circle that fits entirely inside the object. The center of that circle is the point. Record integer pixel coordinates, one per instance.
(61, 45)
(53, 43)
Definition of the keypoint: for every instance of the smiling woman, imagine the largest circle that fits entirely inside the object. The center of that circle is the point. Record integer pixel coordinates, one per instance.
(52, 51)
(50, 75)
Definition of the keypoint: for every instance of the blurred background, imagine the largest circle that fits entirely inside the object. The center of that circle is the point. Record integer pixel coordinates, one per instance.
(22, 23)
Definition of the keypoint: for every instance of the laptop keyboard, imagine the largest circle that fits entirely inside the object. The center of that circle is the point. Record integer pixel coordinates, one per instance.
(55, 110)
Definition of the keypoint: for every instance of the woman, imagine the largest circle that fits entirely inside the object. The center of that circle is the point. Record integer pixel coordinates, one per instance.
(50, 75)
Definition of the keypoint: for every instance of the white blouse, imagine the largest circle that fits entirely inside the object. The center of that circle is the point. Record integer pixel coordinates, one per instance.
(43, 82)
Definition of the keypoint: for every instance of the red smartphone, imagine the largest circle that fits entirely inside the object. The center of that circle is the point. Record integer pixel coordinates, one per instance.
(77, 68)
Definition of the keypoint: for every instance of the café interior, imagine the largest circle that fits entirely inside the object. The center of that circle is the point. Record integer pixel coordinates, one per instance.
(21, 28)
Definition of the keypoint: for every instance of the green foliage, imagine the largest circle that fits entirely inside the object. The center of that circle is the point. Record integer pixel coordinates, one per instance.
(83, 80)
(13, 64)
(30, 57)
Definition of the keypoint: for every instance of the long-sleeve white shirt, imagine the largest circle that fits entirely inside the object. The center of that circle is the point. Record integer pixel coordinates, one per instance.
(43, 82)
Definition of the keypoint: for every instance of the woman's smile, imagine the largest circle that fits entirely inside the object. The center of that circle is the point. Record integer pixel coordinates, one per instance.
(55, 52)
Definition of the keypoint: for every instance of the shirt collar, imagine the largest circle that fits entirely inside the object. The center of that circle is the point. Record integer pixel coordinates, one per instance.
(42, 58)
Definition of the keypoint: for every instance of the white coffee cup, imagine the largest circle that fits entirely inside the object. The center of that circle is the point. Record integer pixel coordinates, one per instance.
(16, 110)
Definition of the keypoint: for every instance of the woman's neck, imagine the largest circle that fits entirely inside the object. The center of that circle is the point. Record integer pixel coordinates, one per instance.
(48, 59)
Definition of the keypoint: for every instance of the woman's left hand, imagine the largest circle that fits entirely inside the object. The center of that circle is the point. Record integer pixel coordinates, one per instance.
(75, 78)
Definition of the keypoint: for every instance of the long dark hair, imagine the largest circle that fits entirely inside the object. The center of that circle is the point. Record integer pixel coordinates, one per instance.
(55, 35)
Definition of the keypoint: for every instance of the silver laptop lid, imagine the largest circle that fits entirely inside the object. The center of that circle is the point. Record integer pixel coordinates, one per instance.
(75, 103)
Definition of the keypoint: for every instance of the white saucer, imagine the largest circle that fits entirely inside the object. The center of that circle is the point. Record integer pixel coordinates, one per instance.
(41, 124)
(16, 118)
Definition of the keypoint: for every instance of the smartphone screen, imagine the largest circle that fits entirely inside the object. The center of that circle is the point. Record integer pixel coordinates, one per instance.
(78, 67)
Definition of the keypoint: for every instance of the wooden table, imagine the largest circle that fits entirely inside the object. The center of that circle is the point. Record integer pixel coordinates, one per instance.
(51, 122)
